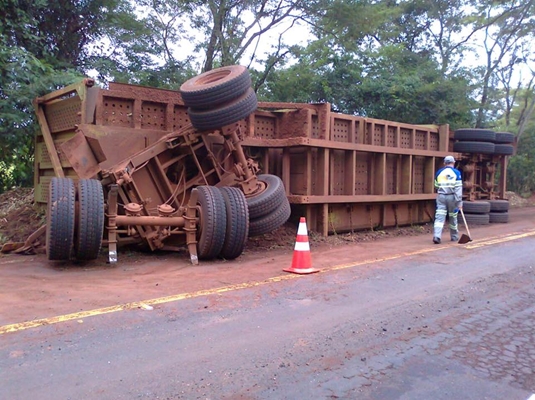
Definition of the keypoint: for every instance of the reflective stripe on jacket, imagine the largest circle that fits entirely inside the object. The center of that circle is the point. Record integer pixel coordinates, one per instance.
(448, 180)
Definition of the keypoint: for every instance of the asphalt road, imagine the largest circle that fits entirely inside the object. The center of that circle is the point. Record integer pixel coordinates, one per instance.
(440, 322)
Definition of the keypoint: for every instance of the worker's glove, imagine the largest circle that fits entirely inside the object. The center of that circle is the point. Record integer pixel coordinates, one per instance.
(456, 210)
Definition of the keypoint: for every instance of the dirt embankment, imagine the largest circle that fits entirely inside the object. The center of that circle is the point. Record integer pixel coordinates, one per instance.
(19, 216)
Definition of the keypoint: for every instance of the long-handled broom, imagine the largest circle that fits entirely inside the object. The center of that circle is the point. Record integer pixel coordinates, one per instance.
(464, 237)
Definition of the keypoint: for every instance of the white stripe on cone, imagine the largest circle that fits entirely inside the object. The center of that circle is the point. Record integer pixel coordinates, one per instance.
(302, 246)
(302, 230)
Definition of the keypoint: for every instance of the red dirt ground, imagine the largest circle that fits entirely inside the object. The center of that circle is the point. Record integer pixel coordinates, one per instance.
(32, 287)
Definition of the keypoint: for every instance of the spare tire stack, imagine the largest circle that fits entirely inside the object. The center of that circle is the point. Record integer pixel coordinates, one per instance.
(219, 97)
(485, 212)
(483, 141)
(479, 141)
(489, 142)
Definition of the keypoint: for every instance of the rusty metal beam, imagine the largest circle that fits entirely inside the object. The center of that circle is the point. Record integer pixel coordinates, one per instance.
(443, 131)
(124, 220)
(503, 178)
(301, 141)
(49, 141)
(78, 87)
(295, 199)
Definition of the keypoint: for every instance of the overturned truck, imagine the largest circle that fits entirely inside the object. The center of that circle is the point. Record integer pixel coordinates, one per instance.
(133, 165)
(208, 166)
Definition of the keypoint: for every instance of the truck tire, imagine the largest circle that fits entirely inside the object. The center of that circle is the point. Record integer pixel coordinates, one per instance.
(476, 207)
(475, 219)
(237, 230)
(88, 240)
(504, 149)
(215, 87)
(498, 217)
(474, 147)
(268, 223)
(60, 219)
(269, 199)
(226, 114)
(504, 138)
(499, 205)
(213, 222)
(477, 135)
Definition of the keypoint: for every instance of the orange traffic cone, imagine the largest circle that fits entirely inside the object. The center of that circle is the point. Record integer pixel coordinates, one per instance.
(301, 261)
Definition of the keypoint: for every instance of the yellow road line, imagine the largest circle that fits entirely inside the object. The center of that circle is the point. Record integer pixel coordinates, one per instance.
(200, 293)
(138, 304)
(500, 240)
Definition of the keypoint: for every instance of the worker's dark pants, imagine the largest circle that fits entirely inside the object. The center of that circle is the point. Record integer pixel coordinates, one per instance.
(446, 205)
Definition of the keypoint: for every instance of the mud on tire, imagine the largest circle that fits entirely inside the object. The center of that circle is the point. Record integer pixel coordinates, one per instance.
(270, 222)
(237, 229)
(215, 87)
(60, 219)
(226, 114)
(90, 219)
(268, 200)
(213, 222)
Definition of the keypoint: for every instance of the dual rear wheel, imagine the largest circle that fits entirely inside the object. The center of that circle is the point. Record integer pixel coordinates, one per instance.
(224, 222)
(74, 231)
(227, 218)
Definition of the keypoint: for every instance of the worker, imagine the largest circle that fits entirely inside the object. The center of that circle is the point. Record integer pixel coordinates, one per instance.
(449, 184)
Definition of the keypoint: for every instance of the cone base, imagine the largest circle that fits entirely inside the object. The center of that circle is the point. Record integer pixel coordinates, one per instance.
(301, 271)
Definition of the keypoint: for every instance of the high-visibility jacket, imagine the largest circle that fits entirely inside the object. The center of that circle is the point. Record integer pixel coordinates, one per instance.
(448, 181)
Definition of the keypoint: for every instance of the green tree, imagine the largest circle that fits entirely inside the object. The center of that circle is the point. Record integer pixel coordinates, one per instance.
(23, 78)
(41, 45)
(58, 32)
(382, 65)
(513, 23)
(232, 30)
(520, 121)
(410, 87)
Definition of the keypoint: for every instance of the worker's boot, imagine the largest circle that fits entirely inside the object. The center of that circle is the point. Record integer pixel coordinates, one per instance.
(436, 240)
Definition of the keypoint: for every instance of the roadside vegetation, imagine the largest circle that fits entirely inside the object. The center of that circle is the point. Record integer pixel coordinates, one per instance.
(468, 63)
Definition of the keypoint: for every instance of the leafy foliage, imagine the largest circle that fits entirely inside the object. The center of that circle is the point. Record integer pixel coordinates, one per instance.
(23, 78)
(517, 179)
